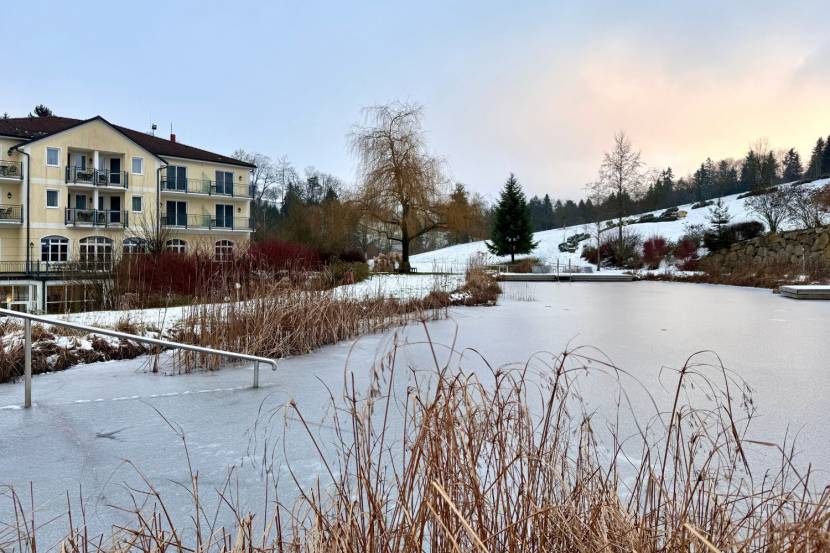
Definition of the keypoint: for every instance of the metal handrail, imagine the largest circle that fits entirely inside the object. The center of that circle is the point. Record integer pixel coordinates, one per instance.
(27, 399)
(208, 187)
(11, 169)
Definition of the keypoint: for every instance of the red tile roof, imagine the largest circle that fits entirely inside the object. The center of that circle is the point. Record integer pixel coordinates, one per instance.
(30, 129)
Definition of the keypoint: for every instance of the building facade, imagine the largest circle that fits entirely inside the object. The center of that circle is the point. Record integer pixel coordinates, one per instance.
(76, 194)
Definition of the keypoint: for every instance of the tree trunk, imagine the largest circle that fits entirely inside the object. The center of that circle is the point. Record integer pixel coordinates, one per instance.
(405, 267)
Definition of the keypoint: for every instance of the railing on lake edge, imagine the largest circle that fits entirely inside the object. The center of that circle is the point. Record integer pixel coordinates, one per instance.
(27, 332)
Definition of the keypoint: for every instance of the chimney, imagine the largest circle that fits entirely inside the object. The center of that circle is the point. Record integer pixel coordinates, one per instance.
(172, 137)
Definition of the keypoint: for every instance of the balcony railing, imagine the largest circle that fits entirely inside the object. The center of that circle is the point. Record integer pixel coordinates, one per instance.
(96, 218)
(11, 214)
(11, 169)
(190, 221)
(206, 187)
(52, 267)
(96, 177)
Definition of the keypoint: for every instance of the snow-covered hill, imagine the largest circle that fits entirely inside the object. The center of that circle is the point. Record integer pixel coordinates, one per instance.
(455, 258)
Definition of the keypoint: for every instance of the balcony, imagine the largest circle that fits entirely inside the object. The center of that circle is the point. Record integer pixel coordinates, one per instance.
(67, 268)
(204, 222)
(11, 214)
(206, 188)
(96, 177)
(96, 218)
(11, 170)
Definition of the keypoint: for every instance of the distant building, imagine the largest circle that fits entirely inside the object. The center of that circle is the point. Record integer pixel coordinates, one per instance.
(76, 193)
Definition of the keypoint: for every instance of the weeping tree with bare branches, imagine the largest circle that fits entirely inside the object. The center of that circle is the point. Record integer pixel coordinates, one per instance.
(401, 186)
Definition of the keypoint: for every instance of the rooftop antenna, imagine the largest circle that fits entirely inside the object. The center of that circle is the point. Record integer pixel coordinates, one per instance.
(153, 129)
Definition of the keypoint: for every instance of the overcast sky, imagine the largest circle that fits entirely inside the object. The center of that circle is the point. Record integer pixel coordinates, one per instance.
(537, 88)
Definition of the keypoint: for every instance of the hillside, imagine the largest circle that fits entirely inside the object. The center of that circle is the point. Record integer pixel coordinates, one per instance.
(455, 258)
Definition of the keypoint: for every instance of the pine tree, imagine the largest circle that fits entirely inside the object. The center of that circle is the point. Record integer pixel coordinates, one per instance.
(825, 158)
(751, 172)
(769, 170)
(815, 169)
(718, 218)
(512, 233)
(792, 166)
(42, 111)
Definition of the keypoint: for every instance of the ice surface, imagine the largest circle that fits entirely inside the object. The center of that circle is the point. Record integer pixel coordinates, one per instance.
(89, 421)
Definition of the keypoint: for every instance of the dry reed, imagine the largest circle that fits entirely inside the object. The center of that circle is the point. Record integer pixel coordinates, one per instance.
(473, 467)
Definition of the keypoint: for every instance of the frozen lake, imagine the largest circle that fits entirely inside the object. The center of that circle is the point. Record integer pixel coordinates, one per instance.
(88, 422)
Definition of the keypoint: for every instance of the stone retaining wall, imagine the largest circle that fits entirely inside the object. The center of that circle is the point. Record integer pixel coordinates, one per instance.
(795, 247)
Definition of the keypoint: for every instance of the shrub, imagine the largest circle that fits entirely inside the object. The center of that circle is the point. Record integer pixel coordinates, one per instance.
(747, 230)
(282, 254)
(342, 272)
(626, 256)
(655, 249)
(691, 264)
(732, 233)
(686, 248)
(524, 265)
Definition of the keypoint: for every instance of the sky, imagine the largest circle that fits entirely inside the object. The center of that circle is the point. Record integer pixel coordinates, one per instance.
(533, 88)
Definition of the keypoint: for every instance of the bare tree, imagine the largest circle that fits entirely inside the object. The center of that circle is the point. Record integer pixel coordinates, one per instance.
(152, 234)
(286, 176)
(401, 185)
(264, 177)
(773, 207)
(620, 178)
(806, 209)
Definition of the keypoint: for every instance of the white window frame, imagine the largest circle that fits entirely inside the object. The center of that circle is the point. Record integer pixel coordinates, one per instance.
(57, 195)
(57, 240)
(134, 246)
(223, 250)
(132, 204)
(95, 249)
(132, 165)
(58, 164)
(176, 245)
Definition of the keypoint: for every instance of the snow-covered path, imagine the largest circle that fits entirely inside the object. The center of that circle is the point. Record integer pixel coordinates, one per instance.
(89, 421)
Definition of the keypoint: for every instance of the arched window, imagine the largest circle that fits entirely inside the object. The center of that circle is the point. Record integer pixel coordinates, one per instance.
(135, 245)
(176, 246)
(95, 248)
(224, 250)
(54, 249)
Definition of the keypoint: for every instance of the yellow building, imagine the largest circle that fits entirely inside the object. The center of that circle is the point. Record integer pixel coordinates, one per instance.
(74, 194)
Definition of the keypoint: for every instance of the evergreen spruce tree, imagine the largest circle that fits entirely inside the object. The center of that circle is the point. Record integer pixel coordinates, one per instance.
(814, 170)
(769, 170)
(751, 172)
(792, 166)
(825, 157)
(719, 217)
(512, 233)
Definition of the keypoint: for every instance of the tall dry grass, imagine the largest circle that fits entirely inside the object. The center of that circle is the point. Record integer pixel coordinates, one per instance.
(509, 460)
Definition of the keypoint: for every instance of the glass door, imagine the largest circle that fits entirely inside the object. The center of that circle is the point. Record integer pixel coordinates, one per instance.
(224, 216)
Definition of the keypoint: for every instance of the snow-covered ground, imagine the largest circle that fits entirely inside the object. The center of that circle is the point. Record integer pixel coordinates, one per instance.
(455, 258)
(383, 285)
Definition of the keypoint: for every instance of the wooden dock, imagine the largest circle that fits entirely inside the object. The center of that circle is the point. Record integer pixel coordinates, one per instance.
(564, 277)
(806, 292)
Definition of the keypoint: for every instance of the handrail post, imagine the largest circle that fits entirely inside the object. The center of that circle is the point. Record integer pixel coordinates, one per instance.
(256, 374)
(27, 394)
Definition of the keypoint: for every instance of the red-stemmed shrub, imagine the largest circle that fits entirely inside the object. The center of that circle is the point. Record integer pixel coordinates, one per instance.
(282, 254)
(685, 248)
(655, 249)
